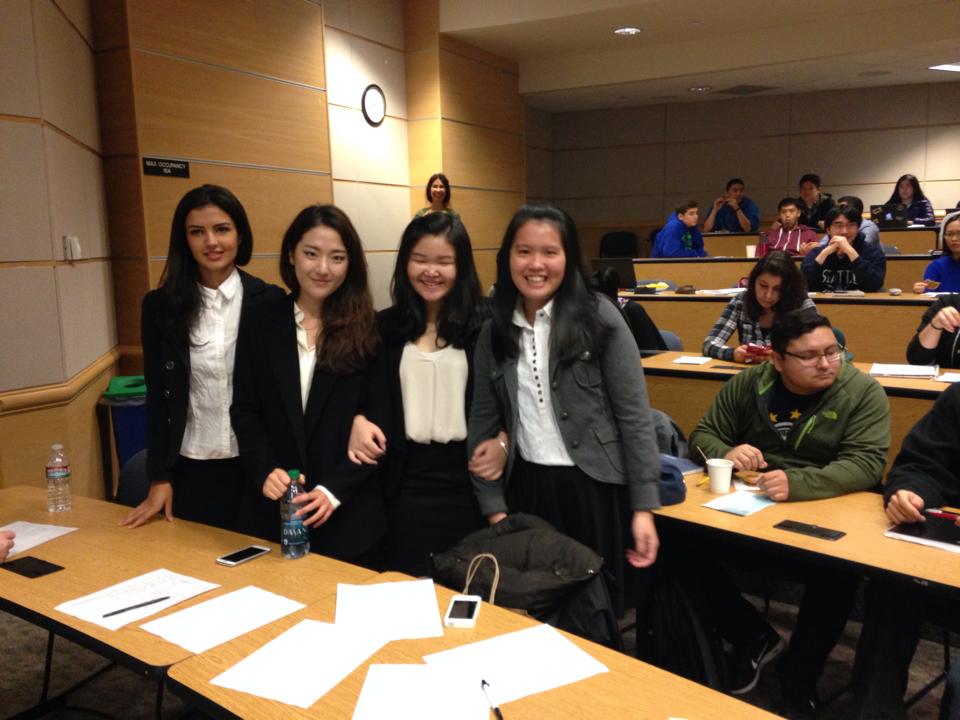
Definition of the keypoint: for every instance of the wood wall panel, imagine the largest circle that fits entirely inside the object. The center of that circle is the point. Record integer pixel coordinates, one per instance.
(421, 24)
(110, 28)
(486, 262)
(426, 157)
(130, 284)
(272, 198)
(453, 45)
(486, 214)
(479, 94)
(280, 38)
(422, 71)
(118, 128)
(482, 158)
(123, 189)
(187, 109)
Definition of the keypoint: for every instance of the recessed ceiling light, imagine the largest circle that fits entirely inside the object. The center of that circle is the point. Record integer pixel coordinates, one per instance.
(952, 67)
(627, 30)
(700, 88)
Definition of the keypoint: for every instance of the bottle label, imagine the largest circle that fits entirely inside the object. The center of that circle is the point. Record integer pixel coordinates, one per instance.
(56, 472)
(293, 533)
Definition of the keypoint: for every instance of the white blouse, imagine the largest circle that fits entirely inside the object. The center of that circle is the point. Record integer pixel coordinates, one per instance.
(208, 434)
(434, 385)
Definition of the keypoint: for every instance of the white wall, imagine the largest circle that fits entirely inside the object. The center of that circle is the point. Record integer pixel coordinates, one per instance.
(633, 165)
(371, 174)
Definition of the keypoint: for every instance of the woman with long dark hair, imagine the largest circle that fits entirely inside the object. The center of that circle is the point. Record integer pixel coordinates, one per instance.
(557, 368)
(775, 287)
(189, 328)
(908, 192)
(302, 373)
(438, 197)
(429, 336)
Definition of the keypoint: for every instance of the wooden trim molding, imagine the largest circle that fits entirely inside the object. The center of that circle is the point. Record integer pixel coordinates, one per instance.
(43, 396)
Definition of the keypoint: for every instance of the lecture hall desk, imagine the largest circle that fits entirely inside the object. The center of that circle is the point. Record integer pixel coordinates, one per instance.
(685, 393)
(631, 689)
(909, 241)
(100, 554)
(877, 327)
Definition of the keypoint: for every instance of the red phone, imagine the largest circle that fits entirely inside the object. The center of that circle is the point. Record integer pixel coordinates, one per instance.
(757, 349)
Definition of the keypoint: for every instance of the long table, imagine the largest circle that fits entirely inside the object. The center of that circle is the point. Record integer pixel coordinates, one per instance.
(909, 241)
(685, 393)
(631, 689)
(877, 327)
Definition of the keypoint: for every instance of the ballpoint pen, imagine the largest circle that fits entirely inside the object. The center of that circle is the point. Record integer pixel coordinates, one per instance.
(484, 685)
(137, 606)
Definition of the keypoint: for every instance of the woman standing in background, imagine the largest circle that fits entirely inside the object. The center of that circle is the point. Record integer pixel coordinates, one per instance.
(438, 195)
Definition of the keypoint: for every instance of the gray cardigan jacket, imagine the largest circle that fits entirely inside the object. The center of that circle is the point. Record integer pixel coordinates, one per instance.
(601, 408)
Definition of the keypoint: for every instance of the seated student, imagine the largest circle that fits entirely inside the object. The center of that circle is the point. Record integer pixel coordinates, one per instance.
(787, 233)
(302, 372)
(937, 340)
(680, 236)
(774, 288)
(814, 204)
(645, 332)
(814, 427)
(734, 211)
(847, 261)
(945, 270)
(869, 229)
(908, 192)
(6, 543)
(925, 474)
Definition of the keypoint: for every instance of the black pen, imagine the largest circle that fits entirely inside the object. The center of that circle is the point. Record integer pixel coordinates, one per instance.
(138, 605)
(496, 710)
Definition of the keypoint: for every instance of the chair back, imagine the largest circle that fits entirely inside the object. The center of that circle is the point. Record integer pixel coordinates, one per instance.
(619, 243)
(672, 340)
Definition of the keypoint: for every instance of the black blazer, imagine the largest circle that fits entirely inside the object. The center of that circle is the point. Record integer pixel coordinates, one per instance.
(386, 383)
(166, 369)
(274, 432)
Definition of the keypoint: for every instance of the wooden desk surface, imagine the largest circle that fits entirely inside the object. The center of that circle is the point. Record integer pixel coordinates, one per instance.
(100, 554)
(860, 515)
(631, 689)
(877, 326)
(909, 241)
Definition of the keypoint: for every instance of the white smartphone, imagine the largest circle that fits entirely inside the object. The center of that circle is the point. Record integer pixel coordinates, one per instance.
(462, 611)
(241, 556)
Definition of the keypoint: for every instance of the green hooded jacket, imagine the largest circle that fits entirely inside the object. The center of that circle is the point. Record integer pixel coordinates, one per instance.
(838, 446)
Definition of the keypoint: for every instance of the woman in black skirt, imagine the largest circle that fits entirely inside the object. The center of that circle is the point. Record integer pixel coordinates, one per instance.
(558, 369)
(428, 339)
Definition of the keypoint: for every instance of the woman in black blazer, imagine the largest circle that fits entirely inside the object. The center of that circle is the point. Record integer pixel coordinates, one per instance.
(301, 377)
(425, 371)
(189, 330)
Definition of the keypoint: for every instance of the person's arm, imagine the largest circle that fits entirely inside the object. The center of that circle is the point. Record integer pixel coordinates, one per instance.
(748, 215)
(715, 343)
(871, 267)
(938, 319)
(922, 211)
(6, 543)
(871, 232)
(711, 218)
(718, 431)
(670, 242)
(811, 268)
(485, 422)
(861, 453)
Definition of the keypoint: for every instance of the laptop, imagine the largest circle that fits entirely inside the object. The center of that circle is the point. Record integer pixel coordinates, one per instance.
(623, 267)
(889, 216)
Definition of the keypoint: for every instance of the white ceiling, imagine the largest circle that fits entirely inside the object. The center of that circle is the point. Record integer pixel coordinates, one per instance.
(569, 58)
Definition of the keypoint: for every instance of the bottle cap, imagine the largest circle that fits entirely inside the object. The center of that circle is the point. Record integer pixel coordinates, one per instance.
(294, 474)
(56, 446)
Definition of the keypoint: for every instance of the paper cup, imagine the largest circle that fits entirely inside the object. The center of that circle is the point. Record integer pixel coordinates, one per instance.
(751, 250)
(720, 472)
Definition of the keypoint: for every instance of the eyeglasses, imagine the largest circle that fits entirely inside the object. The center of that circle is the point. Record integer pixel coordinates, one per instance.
(842, 225)
(831, 355)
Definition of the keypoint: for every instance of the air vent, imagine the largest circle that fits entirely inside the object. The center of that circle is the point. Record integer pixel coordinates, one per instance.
(745, 90)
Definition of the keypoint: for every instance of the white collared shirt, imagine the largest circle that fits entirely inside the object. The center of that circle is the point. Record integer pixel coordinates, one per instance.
(208, 434)
(538, 435)
(308, 363)
(433, 386)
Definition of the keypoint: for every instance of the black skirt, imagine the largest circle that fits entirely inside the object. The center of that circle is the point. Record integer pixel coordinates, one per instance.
(434, 506)
(596, 514)
(208, 491)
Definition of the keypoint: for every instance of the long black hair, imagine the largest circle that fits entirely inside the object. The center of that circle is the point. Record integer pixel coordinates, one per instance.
(917, 192)
(461, 312)
(793, 288)
(576, 324)
(179, 283)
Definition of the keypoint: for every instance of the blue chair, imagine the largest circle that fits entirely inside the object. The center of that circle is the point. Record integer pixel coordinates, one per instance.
(671, 340)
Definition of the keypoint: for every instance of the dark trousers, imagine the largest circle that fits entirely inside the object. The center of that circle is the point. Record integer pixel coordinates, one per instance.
(208, 491)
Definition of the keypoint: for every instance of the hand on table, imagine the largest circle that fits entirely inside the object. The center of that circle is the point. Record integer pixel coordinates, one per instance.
(746, 457)
(6, 543)
(159, 499)
(646, 543)
(775, 485)
(905, 506)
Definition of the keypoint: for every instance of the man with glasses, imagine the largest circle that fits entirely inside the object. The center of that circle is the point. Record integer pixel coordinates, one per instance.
(847, 261)
(813, 427)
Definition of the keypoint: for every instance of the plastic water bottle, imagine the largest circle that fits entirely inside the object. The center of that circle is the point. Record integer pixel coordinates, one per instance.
(294, 536)
(58, 480)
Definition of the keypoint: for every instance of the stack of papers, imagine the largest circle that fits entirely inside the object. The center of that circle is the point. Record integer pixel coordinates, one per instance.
(29, 534)
(905, 371)
(722, 291)
(691, 360)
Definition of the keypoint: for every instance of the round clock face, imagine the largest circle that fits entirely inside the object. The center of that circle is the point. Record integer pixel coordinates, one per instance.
(374, 105)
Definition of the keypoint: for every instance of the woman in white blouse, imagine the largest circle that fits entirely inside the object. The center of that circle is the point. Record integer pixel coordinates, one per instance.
(428, 338)
(189, 328)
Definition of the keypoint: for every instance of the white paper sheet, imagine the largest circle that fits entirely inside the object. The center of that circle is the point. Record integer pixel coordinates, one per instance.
(691, 360)
(520, 663)
(740, 502)
(223, 618)
(29, 534)
(301, 665)
(948, 377)
(905, 371)
(393, 610)
(722, 291)
(419, 692)
(159, 583)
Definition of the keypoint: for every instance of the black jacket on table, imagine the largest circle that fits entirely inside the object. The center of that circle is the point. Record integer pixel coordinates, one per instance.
(273, 431)
(866, 273)
(387, 384)
(166, 369)
(929, 460)
(947, 351)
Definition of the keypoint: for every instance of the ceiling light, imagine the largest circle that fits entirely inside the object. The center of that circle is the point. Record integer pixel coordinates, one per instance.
(700, 88)
(627, 30)
(952, 67)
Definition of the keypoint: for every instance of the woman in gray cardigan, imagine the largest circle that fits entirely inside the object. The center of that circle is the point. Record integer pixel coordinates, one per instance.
(558, 370)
